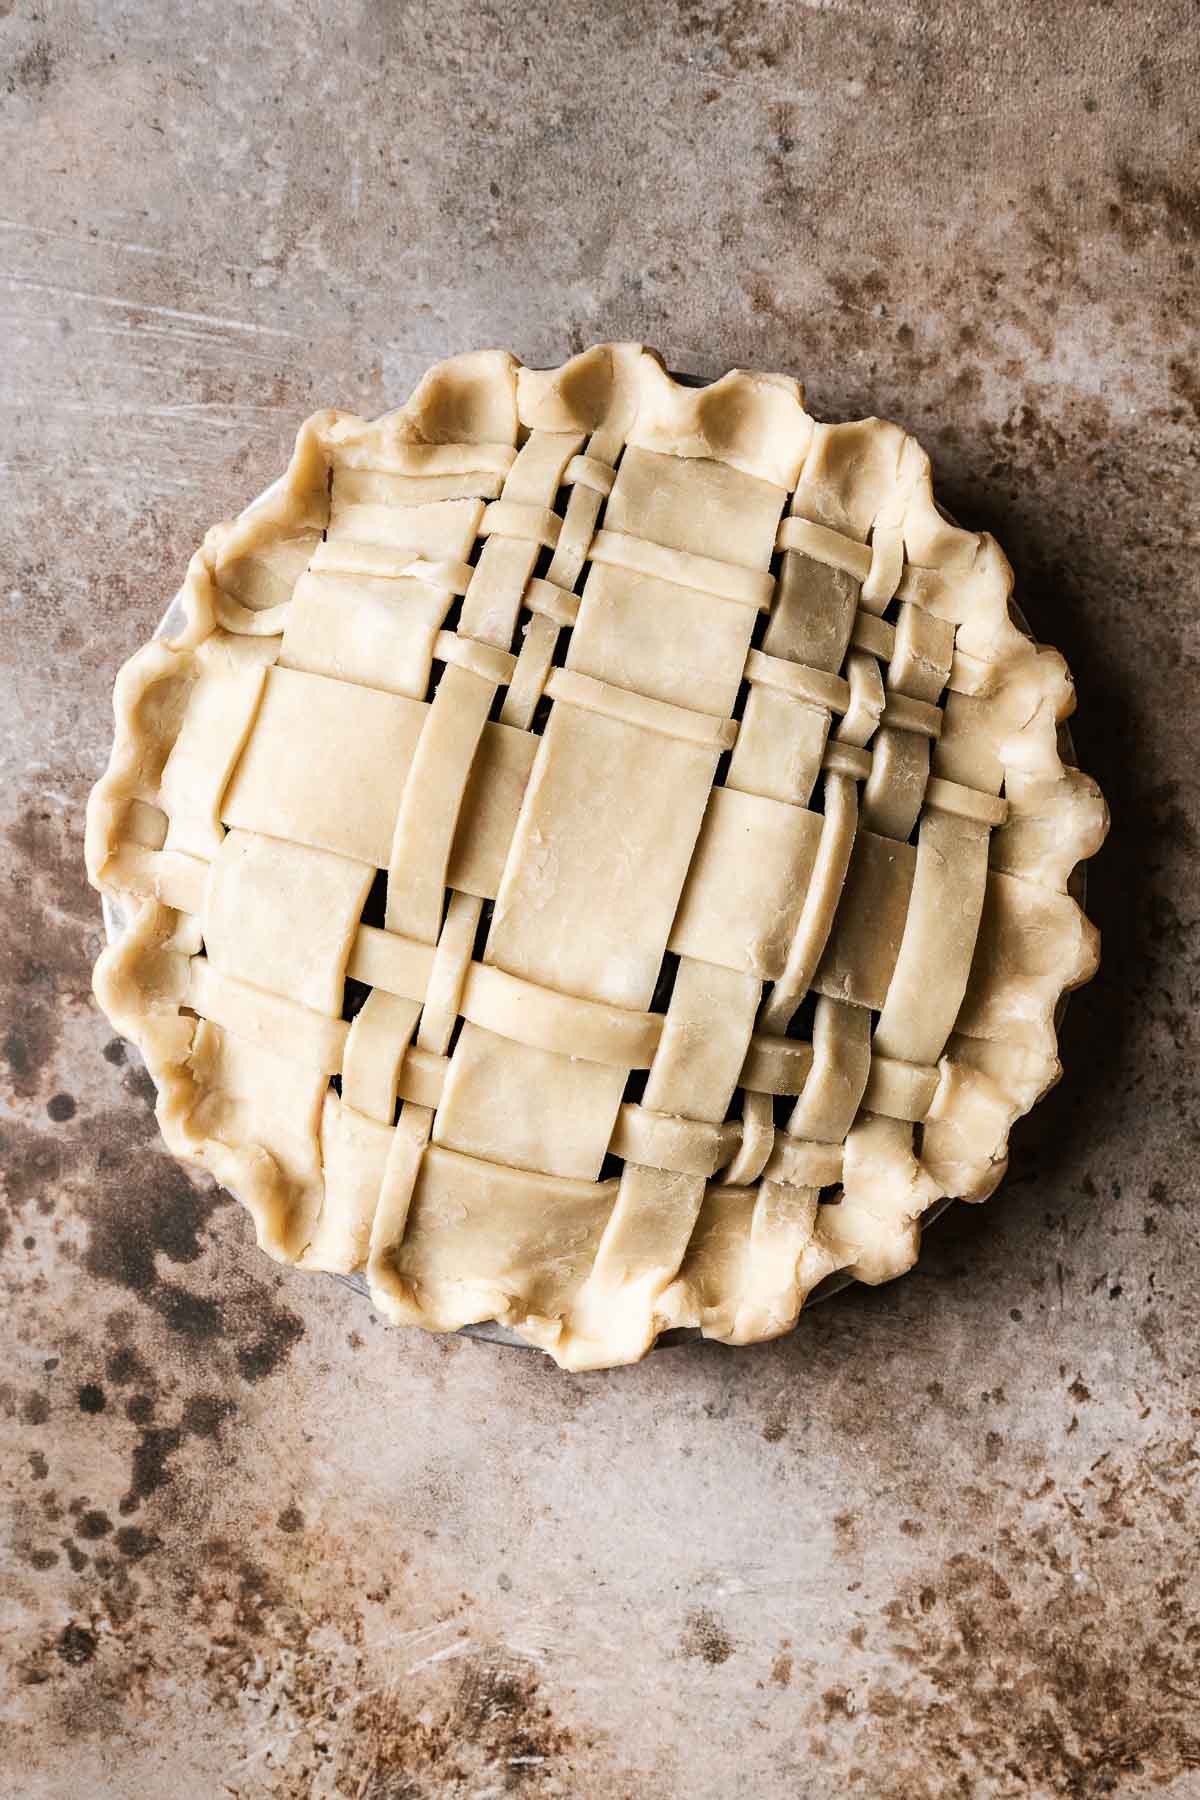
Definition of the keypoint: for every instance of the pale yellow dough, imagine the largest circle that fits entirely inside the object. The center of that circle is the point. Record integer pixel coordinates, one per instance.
(648, 711)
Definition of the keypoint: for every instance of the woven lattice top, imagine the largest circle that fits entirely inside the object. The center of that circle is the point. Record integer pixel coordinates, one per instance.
(596, 854)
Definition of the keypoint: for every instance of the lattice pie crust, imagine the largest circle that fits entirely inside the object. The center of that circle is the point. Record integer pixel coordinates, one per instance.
(708, 815)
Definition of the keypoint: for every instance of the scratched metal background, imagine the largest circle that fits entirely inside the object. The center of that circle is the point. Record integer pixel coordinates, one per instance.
(941, 1541)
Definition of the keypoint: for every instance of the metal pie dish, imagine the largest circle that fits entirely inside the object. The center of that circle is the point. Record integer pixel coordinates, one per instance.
(491, 1331)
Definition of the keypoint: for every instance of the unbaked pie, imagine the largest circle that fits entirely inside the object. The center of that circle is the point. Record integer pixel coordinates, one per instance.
(593, 854)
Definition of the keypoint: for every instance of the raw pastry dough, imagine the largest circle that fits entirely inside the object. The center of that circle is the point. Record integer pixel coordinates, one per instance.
(630, 714)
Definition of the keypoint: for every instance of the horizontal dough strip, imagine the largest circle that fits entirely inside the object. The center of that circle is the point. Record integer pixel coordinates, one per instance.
(638, 709)
(165, 875)
(816, 686)
(590, 472)
(799, 1163)
(481, 659)
(385, 487)
(825, 546)
(726, 581)
(297, 1033)
(683, 1146)
(551, 601)
(511, 1007)
(346, 556)
(905, 714)
(874, 635)
(900, 1090)
(371, 450)
(516, 519)
(965, 802)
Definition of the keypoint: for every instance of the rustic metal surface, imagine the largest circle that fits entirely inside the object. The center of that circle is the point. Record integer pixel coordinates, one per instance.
(941, 1541)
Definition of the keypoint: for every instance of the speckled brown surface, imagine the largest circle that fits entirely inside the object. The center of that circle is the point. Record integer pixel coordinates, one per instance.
(940, 1542)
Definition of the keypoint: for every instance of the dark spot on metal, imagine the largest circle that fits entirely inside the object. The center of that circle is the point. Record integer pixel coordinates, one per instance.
(41, 1560)
(705, 1638)
(139, 1409)
(124, 1365)
(291, 1519)
(32, 73)
(93, 1524)
(92, 1398)
(114, 1052)
(39, 1468)
(75, 1644)
(838, 1703)
(134, 1543)
(190, 1314)
(204, 1414)
(258, 1360)
(60, 1108)
(1151, 205)
(36, 1409)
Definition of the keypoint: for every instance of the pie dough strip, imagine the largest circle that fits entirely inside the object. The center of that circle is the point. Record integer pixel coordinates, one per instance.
(813, 685)
(703, 1042)
(358, 444)
(515, 529)
(900, 1090)
(354, 1154)
(590, 472)
(168, 876)
(920, 665)
(705, 1036)
(938, 946)
(532, 668)
(375, 1052)
(796, 1163)
(638, 709)
(902, 714)
(779, 1266)
(683, 1146)
(446, 529)
(390, 1292)
(825, 546)
(965, 802)
(757, 1139)
(494, 666)
(448, 573)
(383, 959)
(727, 581)
(283, 916)
(550, 601)
(525, 1013)
(422, 1078)
(432, 800)
(838, 828)
(776, 1065)
(281, 1026)
(222, 708)
(394, 489)
(450, 964)
(511, 1007)
(832, 1094)
(874, 635)
(512, 519)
